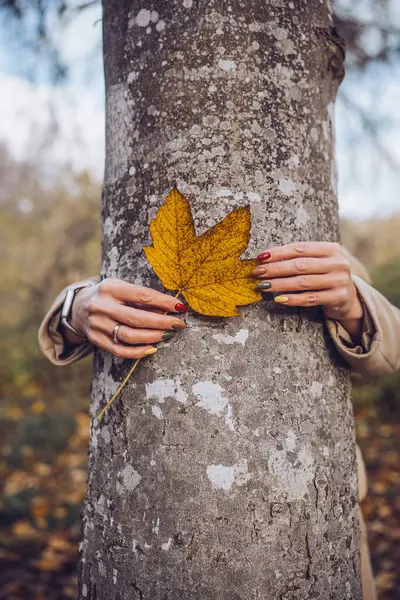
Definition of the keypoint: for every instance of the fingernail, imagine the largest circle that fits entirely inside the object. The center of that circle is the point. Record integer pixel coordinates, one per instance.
(281, 299)
(180, 307)
(168, 335)
(264, 256)
(150, 351)
(264, 285)
(179, 325)
(259, 271)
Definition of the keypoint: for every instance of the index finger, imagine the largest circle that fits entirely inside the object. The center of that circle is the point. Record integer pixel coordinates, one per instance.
(295, 249)
(132, 293)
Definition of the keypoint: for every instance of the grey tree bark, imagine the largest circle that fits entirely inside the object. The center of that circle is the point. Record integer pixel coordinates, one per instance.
(227, 469)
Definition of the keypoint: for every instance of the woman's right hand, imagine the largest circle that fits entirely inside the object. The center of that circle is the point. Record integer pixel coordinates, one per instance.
(139, 311)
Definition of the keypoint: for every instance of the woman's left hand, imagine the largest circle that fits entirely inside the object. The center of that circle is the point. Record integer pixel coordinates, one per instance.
(319, 270)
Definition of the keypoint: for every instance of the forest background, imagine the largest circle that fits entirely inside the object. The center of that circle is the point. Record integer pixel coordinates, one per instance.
(51, 162)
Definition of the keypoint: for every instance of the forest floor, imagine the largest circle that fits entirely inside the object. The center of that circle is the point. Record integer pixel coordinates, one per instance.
(380, 446)
(40, 526)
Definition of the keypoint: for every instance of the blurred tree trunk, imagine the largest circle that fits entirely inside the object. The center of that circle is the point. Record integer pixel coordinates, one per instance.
(227, 469)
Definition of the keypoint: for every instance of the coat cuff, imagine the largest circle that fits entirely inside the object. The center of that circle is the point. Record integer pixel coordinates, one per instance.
(50, 339)
(371, 334)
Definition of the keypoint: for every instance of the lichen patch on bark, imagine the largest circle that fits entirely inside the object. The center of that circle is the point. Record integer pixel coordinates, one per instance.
(223, 477)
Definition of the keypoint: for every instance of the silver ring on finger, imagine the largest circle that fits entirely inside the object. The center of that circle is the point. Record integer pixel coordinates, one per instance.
(115, 333)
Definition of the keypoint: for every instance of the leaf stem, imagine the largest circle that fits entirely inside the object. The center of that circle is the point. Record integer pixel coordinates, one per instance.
(121, 387)
(125, 381)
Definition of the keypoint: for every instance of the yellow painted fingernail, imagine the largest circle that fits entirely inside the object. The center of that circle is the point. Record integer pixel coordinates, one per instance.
(150, 351)
(281, 299)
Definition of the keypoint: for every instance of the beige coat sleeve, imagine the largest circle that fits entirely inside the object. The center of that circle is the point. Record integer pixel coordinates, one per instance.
(52, 343)
(379, 352)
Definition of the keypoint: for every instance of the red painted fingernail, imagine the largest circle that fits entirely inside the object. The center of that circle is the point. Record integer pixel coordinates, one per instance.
(180, 307)
(264, 256)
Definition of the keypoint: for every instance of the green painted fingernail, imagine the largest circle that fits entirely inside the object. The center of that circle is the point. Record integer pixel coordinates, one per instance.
(168, 335)
(264, 285)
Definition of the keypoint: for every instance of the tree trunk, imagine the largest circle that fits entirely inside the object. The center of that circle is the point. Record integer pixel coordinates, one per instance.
(226, 470)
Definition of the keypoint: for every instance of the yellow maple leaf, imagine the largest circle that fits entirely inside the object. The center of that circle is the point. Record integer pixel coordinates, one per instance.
(207, 269)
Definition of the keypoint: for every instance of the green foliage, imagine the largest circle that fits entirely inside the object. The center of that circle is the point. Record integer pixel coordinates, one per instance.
(382, 394)
(46, 432)
(16, 506)
(386, 279)
(49, 236)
